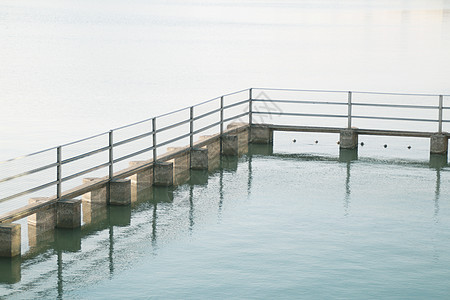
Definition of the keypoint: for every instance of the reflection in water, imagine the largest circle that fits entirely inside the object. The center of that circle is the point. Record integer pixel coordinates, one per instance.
(10, 269)
(191, 208)
(158, 199)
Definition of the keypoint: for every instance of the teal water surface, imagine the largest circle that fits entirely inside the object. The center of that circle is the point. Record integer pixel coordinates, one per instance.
(284, 225)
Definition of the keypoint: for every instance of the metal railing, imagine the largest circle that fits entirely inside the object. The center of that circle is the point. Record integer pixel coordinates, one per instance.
(286, 103)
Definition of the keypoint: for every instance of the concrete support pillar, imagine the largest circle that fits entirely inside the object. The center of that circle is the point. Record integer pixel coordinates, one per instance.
(10, 240)
(68, 213)
(141, 181)
(181, 164)
(97, 196)
(242, 135)
(120, 192)
(163, 174)
(439, 144)
(230, 146)
(261, 135)
(213, 152)
(45, 219)
(199, 159)
(348, 139)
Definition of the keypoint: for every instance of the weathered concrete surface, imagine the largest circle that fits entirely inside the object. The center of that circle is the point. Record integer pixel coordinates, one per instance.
(261, 135)
(10, 236)
(141, 182)
(98, 196)
(120, 192)
(230, 145)
(163, 174)
(41, 225)
(213, 148)
(181, 165)
(68, 213)
(199, 159)
(348, 139)
(439, 144)
(243, 138)
(44, 219)
(39, 237)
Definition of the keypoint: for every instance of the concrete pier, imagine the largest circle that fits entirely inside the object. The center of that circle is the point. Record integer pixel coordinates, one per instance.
(261, 135)
(98, 196)
(141, 182)
(213, 148)
(41, 225)
(230, 145)
(181, 165)
(439, 144)
(44, 219)
(348, 139)
(10, 236)
(199, 159)
(163, 174)
(68, 213)
(120, 192)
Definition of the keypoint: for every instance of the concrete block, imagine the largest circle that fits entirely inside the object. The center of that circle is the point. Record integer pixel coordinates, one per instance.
(10, 236)
(230, 145)
(163, 174)
(348, 139)
(439, 144)
(44, 219)
(199, 159)
(261, 135)
(98, 196)
(120, 192)
(68, 213)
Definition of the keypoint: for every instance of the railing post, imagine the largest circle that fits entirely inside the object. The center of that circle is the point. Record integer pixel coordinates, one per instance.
(111, 155)
(191, 127)
(58, 172)
(154, 139)
(441, 104)
(221, 123)
(349, 112)
(250, 107)
(221, 116)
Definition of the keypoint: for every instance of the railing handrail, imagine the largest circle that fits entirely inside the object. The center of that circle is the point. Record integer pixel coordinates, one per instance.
(60, 162)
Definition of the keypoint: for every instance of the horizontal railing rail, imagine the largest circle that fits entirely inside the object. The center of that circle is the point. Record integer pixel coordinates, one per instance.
(190, 124)
(59, 163)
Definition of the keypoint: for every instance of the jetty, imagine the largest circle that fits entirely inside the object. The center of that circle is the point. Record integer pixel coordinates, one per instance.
(115, 167)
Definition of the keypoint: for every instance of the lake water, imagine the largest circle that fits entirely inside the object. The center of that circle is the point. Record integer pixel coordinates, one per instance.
(76, 68)
(314, 226)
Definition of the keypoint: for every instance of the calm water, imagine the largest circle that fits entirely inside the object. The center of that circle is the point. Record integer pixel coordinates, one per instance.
(75, 68)
(316, 226)
(300, 223)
